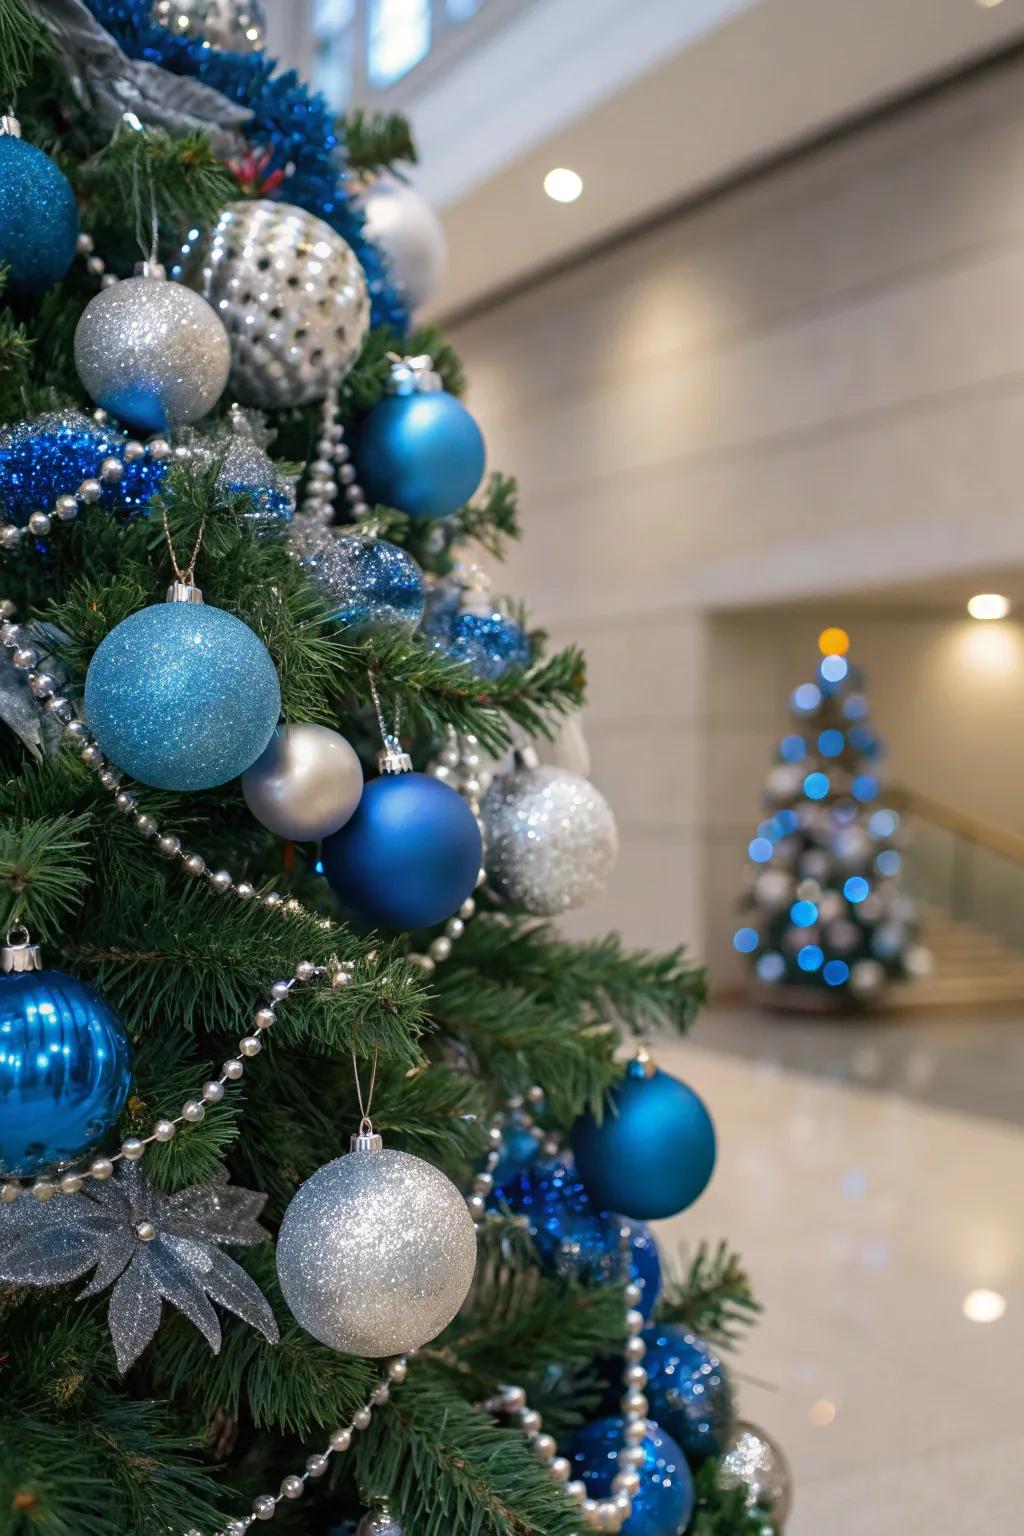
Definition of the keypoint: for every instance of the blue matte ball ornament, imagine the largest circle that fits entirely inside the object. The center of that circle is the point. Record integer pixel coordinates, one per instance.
(38, 218)
(421, 453)
(663, 1503)
(409, 857)
(65, 1068)
(688, 1389)
(653, 1152)
(182, 696)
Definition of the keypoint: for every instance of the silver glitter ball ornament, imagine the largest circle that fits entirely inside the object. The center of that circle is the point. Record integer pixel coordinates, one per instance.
(152, 353)
(550, 839)
(292, 295)
(403, 224)
(238, 26)
(753, 1461)
(306, 785)
(372, 583)
(376, 1252)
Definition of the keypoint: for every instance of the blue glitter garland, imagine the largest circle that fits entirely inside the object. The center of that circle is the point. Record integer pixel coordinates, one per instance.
(293, 125)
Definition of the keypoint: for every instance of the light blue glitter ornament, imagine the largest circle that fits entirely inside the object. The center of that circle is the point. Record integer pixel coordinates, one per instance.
(182, 696)
(663, 1503)
(65, 1063)
(688, 1389)
(375, 584)
(38, 215)
(51, 455)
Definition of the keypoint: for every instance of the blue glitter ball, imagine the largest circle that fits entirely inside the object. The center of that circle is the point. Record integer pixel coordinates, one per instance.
(490, 643)
(571, 1236)
(65, 1068)
(51, 456)
(38, 218)
(374, 584)
(519, 1150)
(422, 453)
(663, 1504)
(410, 855)
(182, 696)
(688, 1389)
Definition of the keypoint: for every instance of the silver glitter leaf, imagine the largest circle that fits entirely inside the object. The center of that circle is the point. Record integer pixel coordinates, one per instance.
(19, 709)
(99, 1229)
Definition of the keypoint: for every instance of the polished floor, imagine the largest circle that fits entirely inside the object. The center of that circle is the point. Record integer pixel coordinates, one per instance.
(873, 1182)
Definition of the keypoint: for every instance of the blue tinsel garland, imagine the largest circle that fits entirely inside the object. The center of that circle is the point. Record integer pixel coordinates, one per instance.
(292, 124)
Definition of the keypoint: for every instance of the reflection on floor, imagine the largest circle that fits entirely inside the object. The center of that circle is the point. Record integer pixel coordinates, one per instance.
(867, 1216)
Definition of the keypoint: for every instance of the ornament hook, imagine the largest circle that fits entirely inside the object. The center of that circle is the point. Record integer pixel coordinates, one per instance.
(392, 759)
(366, 1139)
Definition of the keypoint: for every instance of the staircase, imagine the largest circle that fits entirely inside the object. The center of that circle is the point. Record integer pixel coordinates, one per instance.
(971, 966)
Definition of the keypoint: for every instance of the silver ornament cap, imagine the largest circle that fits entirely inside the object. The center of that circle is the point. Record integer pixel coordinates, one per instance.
(292, 295)
(152, 353)
(18, 954)
(550, 838)
(306, 785)
(376, 1253)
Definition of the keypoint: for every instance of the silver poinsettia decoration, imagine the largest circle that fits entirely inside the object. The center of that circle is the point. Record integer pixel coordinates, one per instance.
(150, 1246)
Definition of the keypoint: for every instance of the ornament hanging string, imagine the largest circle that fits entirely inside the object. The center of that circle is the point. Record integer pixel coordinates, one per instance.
(186, 576)
(150, 247)
(365, 1123)
(389, 737)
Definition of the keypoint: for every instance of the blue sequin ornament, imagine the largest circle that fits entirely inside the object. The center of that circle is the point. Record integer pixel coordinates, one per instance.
(65, 1067)
(422, 453)
(373, 583)
(571, 1235)
(688, 1389)
(410, 855)
(489, 641)
(653, 1152)
(51, 456)
(38, 217)
(663, 1503)
(182, 696)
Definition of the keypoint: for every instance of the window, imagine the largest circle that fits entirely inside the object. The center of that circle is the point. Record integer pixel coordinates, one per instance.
(398, 37)
(363, 47)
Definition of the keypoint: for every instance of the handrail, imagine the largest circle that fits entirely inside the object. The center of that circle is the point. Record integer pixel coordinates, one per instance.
(984, 833)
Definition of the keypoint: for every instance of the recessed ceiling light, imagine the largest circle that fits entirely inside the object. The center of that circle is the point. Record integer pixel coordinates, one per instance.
(984, 1306)
(562, 185)
(822, 1413)
(988, 5)
(988, 605)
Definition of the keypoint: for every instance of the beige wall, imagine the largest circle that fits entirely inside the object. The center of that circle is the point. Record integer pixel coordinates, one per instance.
(815, 383)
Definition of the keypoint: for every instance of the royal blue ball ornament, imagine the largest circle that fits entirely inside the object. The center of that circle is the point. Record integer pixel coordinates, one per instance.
(418, 449)
(182, 695)
(663, 1503)
(410, 855)
(65, 1063)
(688, 1389)
(653, 1152)
(38, 215)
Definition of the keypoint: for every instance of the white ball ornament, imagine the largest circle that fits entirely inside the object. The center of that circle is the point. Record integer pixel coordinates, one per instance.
(152, 353)
(403, 224)
(376, 1251)
(306, 785)
(292, 295)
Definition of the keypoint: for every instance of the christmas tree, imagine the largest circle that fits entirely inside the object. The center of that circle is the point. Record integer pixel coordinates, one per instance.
(824, 911)
(291, 1054)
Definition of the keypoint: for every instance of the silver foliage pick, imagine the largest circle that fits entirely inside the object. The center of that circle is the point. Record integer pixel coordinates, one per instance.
(110, 83)
(98, 1230)
(19, 709)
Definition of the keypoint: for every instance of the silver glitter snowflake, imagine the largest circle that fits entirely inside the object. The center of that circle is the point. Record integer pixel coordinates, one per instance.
(150, 1246)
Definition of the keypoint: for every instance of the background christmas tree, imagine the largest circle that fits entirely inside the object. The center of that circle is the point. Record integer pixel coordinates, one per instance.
(183, 1391)
(824, 909)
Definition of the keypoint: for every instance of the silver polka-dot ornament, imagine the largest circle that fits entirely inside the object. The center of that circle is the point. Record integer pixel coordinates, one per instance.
(752, 1460)
(235, 25)
(376, 1251)
(152, 353)
(550, 837)
(292, 295)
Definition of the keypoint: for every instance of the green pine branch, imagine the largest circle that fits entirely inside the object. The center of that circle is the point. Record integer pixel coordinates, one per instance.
(723, 1511)
(24, 45)
(375, 141)
(44, 871)
(712, 1295)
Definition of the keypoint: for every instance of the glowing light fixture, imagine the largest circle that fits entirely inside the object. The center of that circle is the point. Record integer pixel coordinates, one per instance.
(822, 1413)
(987, 5)
(984, 1306)
(563, 185)
(988, 605)
(833, 642)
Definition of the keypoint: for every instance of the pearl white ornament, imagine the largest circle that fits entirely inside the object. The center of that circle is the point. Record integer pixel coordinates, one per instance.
(306, 785)
(403, 224)
(376, 1252)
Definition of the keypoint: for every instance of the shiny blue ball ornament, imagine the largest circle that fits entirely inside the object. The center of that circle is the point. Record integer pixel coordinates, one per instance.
(410, 855)
(65, 1069)
(663, 1503)
(422, 453)
(688, 1389)
(653, 1152)
(38, 218)
(182, 696)
(519, 1150)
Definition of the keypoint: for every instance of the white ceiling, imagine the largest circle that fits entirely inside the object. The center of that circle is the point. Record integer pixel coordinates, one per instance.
(654, 102)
